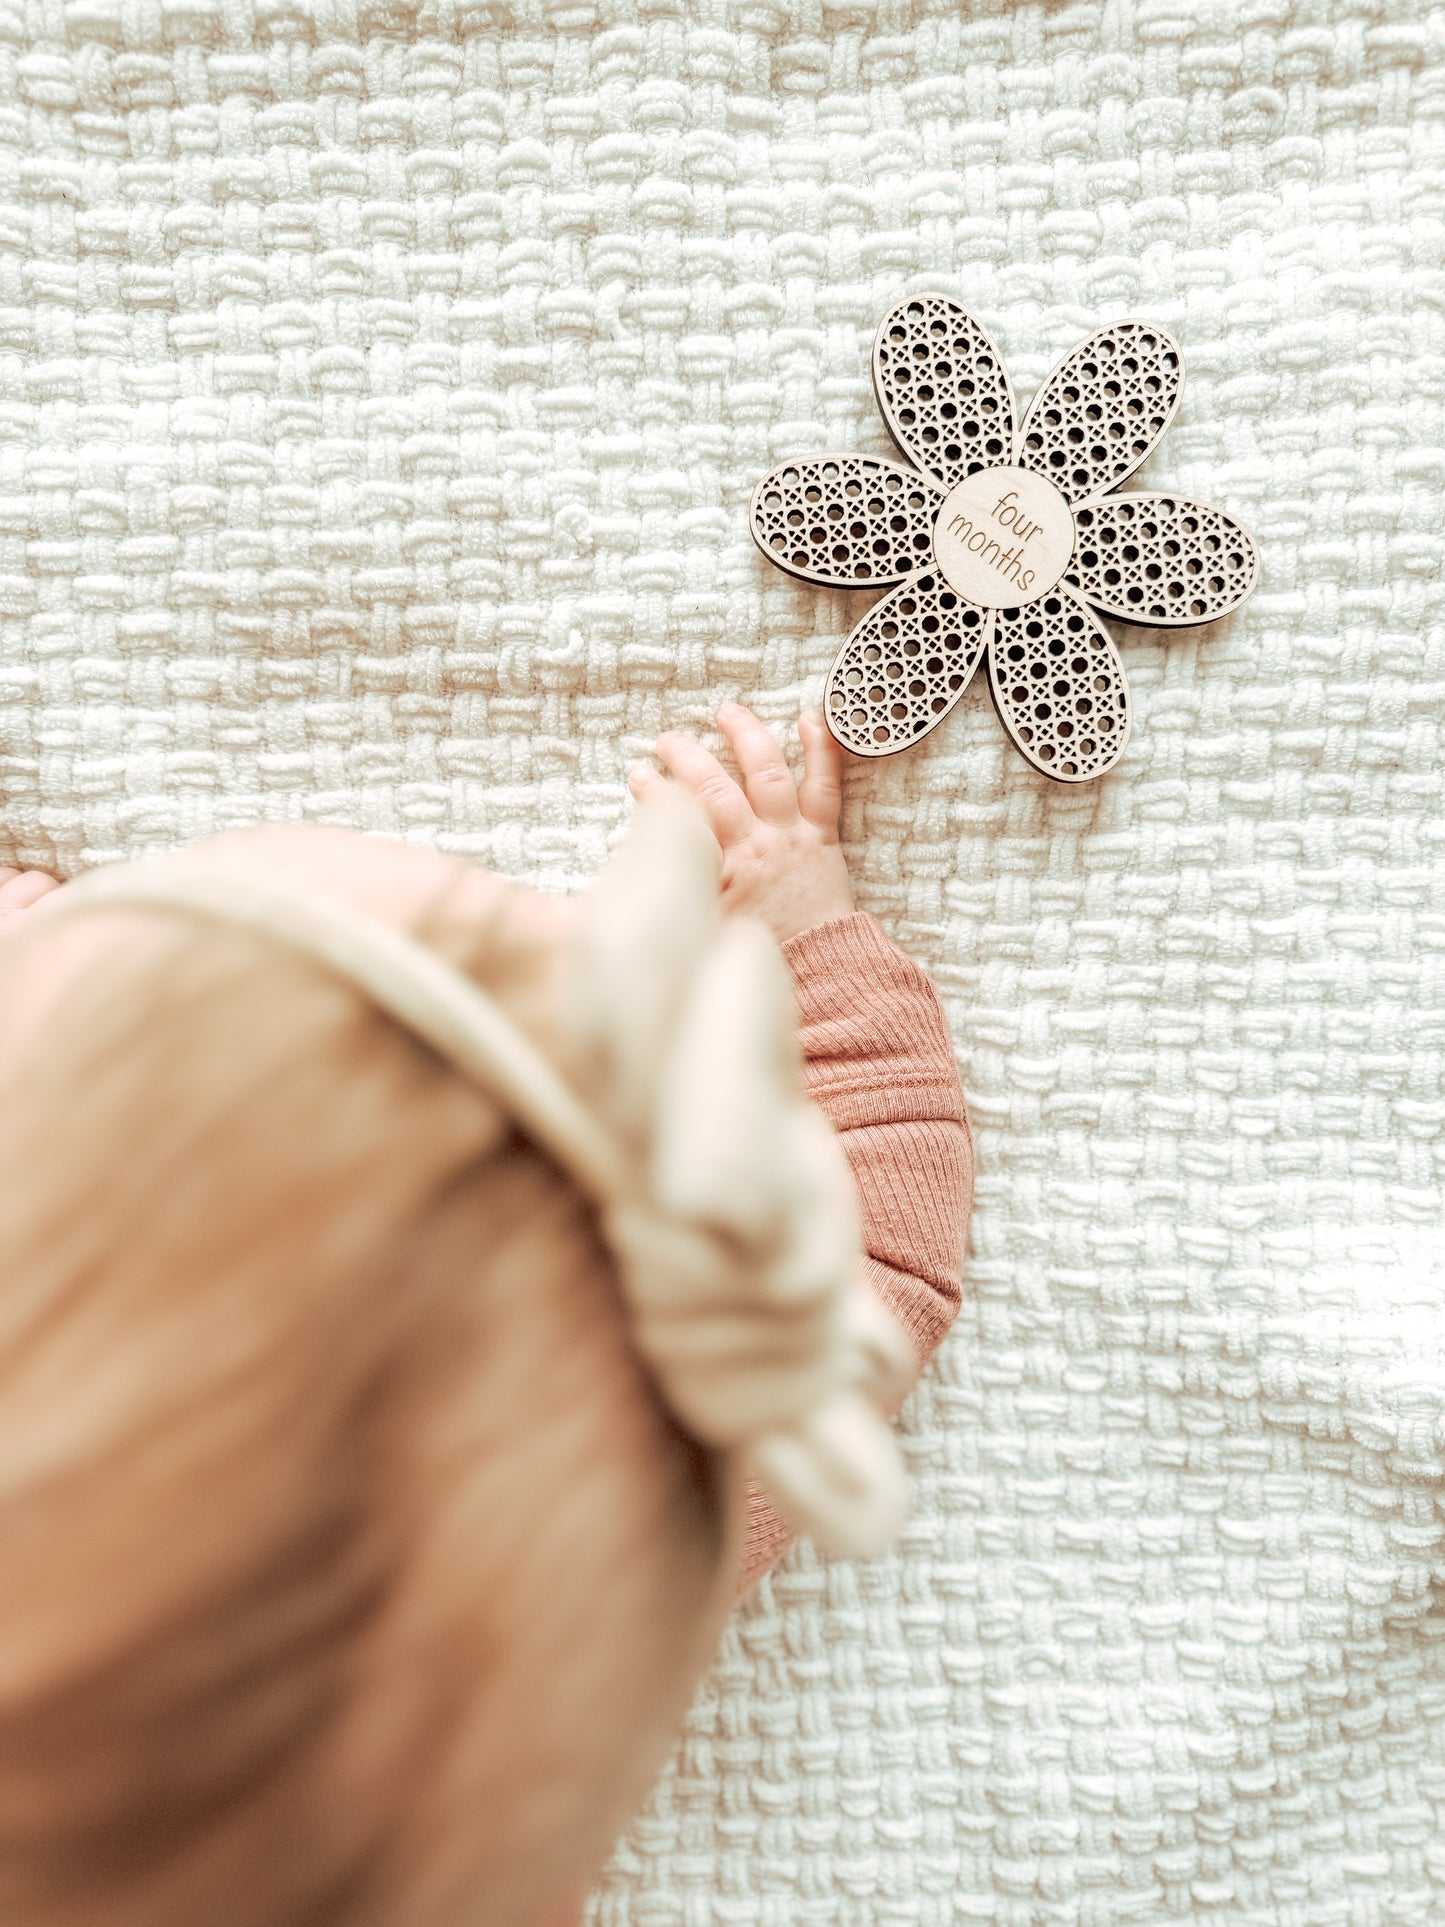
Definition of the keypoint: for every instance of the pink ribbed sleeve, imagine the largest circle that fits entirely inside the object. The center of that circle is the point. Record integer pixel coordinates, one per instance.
(878, 1062)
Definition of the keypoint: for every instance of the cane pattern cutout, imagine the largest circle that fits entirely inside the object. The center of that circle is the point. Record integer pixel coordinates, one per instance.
(1002, 541)
(842, 520)
(910, 658)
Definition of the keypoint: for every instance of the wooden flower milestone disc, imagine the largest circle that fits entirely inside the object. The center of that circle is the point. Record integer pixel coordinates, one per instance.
(1002, 542)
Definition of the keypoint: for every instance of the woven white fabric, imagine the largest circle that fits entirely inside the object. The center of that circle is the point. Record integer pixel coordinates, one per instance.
(383, 386)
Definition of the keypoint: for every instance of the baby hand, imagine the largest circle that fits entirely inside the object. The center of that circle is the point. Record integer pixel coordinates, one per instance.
(779, 840)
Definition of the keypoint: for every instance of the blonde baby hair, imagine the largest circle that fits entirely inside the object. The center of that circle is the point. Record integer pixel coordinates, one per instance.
(354, 1571)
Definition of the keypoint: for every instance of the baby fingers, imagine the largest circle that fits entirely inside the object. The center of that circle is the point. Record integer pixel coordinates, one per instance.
(644, 782)
(766, 777)
(820, 794)
(698, 770)
(19, 889)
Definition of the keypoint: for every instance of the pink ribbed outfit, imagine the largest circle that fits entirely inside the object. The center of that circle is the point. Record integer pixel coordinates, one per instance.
(878, 1063)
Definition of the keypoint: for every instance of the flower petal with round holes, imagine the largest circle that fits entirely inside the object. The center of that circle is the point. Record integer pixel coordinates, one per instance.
(905, 665)
(1002, 541)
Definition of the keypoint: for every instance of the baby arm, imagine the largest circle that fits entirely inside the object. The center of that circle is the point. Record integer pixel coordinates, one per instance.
(877, 1057)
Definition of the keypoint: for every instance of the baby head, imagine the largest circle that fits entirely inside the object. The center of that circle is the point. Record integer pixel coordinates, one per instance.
(356, 1568)
(349, 1549)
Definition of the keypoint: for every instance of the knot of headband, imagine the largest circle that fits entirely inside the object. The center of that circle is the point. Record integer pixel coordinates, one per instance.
(723, 1194)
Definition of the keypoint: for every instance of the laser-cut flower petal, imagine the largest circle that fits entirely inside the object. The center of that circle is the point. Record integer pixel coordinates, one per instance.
(905, 666)
(1102, 409)
(943, 388)
(847, 521)
(1059, 688)
(1161, 559)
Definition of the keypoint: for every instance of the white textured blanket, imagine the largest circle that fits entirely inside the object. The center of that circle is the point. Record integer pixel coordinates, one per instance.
(382, 388)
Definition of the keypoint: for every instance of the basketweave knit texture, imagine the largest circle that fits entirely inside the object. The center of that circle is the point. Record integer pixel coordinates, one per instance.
(383, 385)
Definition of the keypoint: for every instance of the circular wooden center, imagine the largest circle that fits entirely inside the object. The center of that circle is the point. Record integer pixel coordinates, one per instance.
(1003, 537)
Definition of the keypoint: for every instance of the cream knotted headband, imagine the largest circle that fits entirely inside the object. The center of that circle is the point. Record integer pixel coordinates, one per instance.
(724, 1195)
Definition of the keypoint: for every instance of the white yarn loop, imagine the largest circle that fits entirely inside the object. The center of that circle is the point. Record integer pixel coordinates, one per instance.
(723, 1192)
